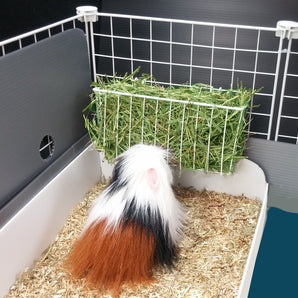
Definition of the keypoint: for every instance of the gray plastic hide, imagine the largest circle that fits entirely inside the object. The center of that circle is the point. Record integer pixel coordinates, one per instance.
(43, 89)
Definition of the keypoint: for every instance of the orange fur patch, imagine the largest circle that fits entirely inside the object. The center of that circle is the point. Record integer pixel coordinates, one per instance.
(109, 259)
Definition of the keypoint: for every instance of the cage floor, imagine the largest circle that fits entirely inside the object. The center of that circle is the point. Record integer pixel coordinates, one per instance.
(212, 257)
(275, 273)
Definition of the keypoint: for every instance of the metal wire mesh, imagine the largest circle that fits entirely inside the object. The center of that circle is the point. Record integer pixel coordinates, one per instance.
(28, 38)
(177, 52)
(287, 118)
(201, 135)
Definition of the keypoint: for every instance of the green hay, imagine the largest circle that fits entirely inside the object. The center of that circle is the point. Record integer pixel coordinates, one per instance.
(161, 122)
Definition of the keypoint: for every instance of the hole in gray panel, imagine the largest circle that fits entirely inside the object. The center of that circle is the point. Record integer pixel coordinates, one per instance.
(46, 148)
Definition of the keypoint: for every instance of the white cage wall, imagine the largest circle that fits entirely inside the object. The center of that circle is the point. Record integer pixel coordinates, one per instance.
(177, 52)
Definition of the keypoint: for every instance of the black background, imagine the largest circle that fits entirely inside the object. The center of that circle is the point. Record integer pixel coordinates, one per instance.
(18, 16)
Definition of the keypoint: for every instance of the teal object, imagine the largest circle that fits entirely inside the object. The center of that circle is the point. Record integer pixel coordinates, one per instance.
(275, 273)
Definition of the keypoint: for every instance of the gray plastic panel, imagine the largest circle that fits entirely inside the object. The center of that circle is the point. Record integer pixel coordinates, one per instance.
(280, 164)
(43, 89)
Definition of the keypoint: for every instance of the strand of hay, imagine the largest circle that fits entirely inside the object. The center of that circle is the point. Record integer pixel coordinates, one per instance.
(211, 262)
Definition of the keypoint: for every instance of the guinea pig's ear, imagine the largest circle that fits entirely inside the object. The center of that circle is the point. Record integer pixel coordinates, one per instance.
(151, 177)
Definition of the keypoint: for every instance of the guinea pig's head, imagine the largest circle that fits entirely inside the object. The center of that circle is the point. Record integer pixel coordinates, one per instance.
(146, 164)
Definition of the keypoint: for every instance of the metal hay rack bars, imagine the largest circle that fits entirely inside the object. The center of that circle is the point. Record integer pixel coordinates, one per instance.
(176, 52)
(202, 135)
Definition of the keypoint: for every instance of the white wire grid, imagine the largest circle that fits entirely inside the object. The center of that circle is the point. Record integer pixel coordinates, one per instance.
(236, 112)
(221, 55)
(287, 119)
(178, 51)
(20, 41)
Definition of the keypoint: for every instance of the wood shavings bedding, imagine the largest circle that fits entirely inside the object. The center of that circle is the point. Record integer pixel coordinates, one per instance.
(211, 262)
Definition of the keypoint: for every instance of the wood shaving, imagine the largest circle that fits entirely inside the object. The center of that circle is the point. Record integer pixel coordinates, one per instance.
(212, 258)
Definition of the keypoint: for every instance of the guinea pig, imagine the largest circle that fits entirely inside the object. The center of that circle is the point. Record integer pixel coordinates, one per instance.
(134, 225)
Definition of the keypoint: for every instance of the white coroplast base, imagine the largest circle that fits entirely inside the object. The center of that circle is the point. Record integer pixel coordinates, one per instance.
(249, 180)
(35, 226)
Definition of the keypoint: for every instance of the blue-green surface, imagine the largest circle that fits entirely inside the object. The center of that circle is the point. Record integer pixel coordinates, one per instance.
(276, 269)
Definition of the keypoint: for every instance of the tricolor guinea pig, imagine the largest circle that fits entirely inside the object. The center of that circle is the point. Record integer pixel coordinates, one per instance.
(133, 225)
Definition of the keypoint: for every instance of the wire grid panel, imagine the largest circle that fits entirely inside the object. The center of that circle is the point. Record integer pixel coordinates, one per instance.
(287, 119)
(176, 52)
(26, 39)
(201, 136)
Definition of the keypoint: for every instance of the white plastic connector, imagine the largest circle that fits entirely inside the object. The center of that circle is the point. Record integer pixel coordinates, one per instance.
(87, 13)
(287, 29)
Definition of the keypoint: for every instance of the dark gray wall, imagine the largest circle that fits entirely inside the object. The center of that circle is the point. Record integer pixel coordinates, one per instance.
(17, 17)
(43, 90)
(280, 163)
(253, 12)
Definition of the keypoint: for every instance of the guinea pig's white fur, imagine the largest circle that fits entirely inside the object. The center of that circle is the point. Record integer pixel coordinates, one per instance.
(133, 225)
(141, 189)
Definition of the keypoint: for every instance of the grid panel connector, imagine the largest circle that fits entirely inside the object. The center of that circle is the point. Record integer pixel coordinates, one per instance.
(287, 29)
(87, 13)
